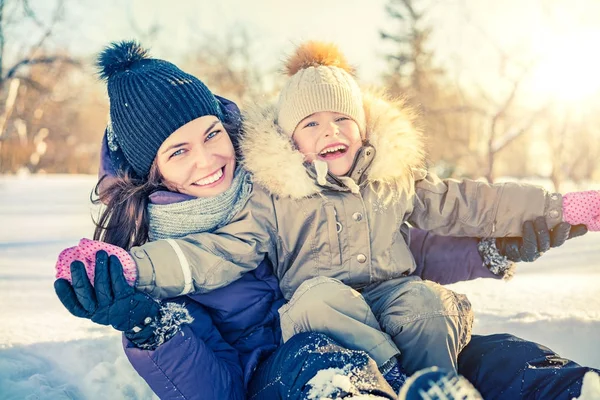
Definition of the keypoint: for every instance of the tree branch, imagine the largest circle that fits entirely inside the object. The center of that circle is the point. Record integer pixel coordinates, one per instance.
(41, 60)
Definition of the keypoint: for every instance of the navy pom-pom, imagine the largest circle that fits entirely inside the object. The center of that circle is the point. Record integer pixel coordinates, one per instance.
(118, 57)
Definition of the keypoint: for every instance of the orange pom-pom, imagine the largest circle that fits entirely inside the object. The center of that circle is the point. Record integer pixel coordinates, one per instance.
(314, 54)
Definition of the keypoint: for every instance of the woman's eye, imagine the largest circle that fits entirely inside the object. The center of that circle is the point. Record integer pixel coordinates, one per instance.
(176, 153)
(213, 134)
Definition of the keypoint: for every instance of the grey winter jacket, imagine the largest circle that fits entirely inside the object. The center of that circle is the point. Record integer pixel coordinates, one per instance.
(309, 223)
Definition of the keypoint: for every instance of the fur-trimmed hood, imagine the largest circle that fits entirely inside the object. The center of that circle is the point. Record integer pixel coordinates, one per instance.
(273, 159)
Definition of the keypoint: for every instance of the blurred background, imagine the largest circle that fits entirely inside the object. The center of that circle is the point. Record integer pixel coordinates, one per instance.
(504, 88)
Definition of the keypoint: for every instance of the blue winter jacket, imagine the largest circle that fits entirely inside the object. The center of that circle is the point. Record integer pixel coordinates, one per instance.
(234, 328)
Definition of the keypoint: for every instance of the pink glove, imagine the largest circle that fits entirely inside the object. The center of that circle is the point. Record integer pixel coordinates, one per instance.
(86, 253)
(582, 208)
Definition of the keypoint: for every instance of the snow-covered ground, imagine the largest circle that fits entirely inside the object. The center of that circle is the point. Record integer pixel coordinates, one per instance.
(45, 353)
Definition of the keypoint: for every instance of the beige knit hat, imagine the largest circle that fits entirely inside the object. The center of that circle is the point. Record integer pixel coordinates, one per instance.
(320, 80)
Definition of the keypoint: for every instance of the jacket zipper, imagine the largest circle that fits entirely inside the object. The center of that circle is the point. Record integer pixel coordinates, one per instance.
(338, 230)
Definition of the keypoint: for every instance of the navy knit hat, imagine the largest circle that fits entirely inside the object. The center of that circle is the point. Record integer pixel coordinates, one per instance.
(149, 100)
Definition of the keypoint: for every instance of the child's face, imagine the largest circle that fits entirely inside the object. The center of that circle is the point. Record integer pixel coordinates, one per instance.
(331, 137)
(197, 159)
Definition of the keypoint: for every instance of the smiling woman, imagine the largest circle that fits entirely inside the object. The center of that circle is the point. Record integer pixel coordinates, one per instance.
(568, 67)
(198, 159)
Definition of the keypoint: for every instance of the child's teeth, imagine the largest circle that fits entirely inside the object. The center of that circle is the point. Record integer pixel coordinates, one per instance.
(333, 149)
(213, 178)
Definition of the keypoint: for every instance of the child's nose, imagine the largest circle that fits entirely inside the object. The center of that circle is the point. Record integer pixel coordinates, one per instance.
(332, 129)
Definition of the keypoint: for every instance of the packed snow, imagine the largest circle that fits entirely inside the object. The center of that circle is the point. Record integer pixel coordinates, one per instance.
(591, 387)
(45, 353)
(331, 381)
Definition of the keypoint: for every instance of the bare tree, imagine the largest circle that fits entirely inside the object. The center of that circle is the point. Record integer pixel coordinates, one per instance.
(505, 118)
(228, 66)
(41, 116)
(15, 68)
(20, 13)
(575, 148)
(506, 121)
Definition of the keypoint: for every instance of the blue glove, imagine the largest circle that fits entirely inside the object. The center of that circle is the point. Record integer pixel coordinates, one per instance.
(111, 301)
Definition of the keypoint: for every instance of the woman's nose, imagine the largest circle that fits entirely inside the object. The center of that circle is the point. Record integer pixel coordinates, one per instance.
(202, 157)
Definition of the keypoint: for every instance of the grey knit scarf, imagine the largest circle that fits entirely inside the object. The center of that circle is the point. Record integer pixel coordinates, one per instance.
(202, 214)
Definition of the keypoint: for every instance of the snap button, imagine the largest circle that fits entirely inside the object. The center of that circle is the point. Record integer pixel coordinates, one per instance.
(554, 196)
(368, 152)
(361, 258)
(338, 227)
(357, 216)
(139, 254)
(554, 213)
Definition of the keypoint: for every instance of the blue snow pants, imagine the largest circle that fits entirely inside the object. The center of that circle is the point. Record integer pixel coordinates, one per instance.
(286, 373)
(503, 366)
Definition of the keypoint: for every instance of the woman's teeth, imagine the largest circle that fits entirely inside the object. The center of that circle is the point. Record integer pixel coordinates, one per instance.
(334, 149)
(210, 179)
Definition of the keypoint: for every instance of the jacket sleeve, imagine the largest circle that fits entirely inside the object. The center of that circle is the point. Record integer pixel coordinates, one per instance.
(199, 263)
(447, 259)
(478, 209)
(196, 363)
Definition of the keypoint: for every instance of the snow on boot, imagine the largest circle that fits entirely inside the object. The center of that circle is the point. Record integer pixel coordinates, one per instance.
(438, 384)
(395, 377)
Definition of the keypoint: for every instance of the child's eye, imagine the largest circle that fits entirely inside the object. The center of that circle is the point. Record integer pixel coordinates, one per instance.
(342, 119)
(310, 124)
(177, 153)
(212, 134)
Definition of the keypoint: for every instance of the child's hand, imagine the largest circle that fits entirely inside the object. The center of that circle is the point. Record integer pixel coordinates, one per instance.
(582, 208)
(86, 253)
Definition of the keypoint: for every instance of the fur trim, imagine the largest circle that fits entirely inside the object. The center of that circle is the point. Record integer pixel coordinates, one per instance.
(171, 317)
(276, 164)
(272, 157)
(315, 54)
(498, 264)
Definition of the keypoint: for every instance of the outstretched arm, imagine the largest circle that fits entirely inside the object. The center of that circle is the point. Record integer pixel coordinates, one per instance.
(447, 259)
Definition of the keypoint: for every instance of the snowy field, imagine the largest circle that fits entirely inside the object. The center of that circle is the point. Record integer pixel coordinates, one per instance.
(45, 353)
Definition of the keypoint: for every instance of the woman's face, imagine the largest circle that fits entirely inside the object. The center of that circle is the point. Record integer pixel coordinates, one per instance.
(198, 159)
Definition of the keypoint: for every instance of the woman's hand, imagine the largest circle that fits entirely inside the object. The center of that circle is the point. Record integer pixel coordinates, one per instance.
(537, 239)
(111, 300)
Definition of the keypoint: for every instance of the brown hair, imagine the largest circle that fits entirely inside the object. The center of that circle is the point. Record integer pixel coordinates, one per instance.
(123, 219)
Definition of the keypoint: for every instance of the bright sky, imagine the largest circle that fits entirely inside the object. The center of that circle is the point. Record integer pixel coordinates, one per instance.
(560, 35)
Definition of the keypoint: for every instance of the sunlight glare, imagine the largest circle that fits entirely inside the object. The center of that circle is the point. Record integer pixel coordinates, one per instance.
(569, 66)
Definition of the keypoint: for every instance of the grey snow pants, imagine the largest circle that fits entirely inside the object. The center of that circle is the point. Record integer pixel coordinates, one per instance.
(421, 322)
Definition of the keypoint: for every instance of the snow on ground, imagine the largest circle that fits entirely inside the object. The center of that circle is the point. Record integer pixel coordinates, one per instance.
(45, 353)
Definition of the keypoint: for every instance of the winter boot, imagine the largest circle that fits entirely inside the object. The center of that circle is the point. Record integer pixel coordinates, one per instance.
(395, 376)
(438, 384)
